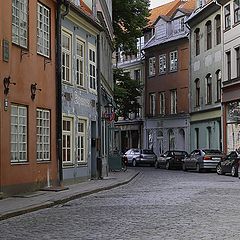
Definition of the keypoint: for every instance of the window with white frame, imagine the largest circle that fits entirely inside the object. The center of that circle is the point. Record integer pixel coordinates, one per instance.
(152, 99)
(209, 34)
(227, 16)
(81, 141)
(43, 30)
(80, 49)
(152, 66)
(162, 64)
(178, 25)
(43, 135)
(236, 6)
(197, 92)
(162, 103)
(18, 133)
(173, 98)
(218, 29)
(66, 56)
(92, 68)
(173, 61)
(20, 22)
(67, 143)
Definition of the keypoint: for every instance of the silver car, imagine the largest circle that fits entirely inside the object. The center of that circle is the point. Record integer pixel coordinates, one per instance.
(201, 159)
(138, 156)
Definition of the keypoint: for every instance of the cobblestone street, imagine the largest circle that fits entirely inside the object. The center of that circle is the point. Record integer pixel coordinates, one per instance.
(157, 204)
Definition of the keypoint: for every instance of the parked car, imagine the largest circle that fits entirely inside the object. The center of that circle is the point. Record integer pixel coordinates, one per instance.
(171, 159)
(136, 156)
(202, 159)
(229, 164)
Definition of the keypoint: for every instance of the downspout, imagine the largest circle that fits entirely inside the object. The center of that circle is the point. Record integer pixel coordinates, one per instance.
(99, 105)
(59, 88)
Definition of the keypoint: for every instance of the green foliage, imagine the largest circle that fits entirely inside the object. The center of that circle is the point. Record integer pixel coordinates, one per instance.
(129, 18)
(126, 93)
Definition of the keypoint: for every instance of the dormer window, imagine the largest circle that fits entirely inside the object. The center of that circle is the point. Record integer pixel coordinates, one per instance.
(161, 29)
(178, 25)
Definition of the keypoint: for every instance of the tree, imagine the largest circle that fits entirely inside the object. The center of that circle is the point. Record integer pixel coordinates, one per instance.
(126, 93)
(129, 18)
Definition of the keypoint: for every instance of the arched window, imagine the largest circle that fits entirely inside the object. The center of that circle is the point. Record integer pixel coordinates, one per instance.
(197, 41)
(209, 89)
(218, 29)
(160, 141)
(197, 92)
(219, 84)
(209, 34)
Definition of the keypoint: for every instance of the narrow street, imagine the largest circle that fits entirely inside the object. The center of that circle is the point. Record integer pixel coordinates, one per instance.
(157, 204)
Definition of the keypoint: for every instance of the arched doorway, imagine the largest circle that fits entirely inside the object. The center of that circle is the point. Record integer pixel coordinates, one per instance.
(171, 139)
(160, 141)
(182, 139)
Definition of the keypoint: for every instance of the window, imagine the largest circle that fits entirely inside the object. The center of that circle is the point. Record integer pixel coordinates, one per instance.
(18, 134)
(43, 30)
(81, 141)
(197, 96)
(197, 41)
(137, 75)
(238, 60)
(209, 89)
(236, 6)
(152, 66)
(219, 85)
(209, 34)
(66, 56)
(173, 95)
(162, 64)
(178, 25)
(20, 22)
(227, 16)
(43, 135)
(171, 138)
(228, 54)
(67, 145)
(92, 68)
(162, 103)
(173, 61)
(160, 141)
(80, 49)
(152, 104)
(196, 137)
(218, 29)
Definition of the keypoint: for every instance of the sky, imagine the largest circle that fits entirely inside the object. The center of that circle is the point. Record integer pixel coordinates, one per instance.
(156, 3)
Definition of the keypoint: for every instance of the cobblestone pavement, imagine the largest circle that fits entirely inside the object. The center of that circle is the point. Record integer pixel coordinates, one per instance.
(157, 204)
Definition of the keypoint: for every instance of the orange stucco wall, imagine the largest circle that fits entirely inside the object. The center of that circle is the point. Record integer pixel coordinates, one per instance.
(24, 71)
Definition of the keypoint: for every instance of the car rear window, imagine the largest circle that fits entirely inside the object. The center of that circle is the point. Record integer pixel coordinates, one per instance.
(180, 153)
(210, 151)
(147, 151)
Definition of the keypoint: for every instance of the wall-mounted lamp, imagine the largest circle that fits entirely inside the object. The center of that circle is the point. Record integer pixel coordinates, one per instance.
(109, 113)
(34, 89)
(6, 83)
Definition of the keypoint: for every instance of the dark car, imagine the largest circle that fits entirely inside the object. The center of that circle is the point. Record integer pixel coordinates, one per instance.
(171, 159)
(202, 159)
(136, 156)
(229, 164)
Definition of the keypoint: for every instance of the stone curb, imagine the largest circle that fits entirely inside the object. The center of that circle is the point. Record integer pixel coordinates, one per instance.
(49, 204)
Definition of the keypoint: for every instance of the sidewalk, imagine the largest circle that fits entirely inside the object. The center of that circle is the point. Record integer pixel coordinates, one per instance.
(20, 204)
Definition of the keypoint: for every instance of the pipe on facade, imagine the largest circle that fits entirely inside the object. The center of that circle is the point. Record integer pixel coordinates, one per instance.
(99, 96)
(59, 15)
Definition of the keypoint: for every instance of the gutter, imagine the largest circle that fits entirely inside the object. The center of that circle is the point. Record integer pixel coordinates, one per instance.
(59, 88)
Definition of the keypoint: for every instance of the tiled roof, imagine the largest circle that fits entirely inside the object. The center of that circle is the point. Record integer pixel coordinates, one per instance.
(164, 10)
(189, 5)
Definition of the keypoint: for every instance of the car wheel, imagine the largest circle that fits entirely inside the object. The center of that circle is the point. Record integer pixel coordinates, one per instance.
(198, 168)
(184, 167)
(167, 165)
(234, 171)
(134, 163)
(219, 169)
(156, 164)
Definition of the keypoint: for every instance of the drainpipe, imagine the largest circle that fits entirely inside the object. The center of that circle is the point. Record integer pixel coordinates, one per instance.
(59, 87)
(99, 105)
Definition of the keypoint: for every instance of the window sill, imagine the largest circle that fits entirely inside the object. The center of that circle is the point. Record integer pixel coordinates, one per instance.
(43, 161)
(20, 163)
(226, 29)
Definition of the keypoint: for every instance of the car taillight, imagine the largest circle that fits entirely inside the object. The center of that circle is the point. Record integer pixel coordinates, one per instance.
(207, 158)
